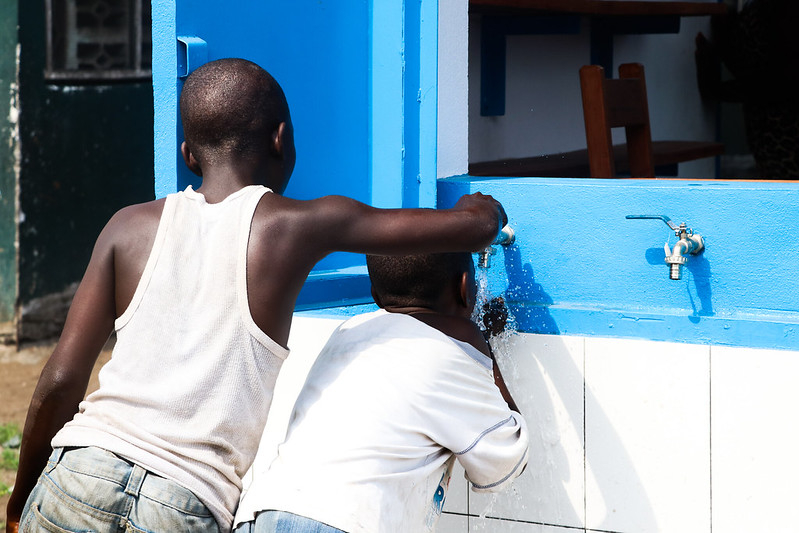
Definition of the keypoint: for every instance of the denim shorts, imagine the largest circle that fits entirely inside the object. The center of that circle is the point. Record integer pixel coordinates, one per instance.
(90, 489)
(283, 522)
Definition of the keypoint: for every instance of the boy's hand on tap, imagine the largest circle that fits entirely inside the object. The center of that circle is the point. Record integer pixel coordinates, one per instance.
(495, 316)
(479, 200)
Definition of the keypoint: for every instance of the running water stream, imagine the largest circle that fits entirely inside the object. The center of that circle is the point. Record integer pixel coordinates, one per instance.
(501, 346)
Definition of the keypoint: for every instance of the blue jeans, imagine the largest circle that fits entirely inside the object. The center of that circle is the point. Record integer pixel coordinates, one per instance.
(283, 522)
(90, 489)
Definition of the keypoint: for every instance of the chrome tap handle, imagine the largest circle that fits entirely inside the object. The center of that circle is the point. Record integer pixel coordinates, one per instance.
(688, 243)
(664, 218)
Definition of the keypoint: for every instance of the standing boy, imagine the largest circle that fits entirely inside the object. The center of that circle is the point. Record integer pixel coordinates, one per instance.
(394, 397)
(200, 288)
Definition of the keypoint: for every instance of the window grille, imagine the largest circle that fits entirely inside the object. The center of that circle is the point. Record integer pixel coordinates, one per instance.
(98, 40)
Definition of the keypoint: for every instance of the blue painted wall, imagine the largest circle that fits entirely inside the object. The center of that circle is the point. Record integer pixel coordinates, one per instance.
(318, 51)
(358, 98)
(580, 268)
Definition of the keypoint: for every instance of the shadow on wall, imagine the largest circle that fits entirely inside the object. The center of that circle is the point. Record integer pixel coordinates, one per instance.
(527, 299)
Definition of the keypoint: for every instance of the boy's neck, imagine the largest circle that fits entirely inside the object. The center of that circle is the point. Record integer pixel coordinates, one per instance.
(220, 181)
(453, 325)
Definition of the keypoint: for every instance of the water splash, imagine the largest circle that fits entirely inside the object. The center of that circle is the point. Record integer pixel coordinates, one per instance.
(502, 346)
(481, 278)
(501, 342)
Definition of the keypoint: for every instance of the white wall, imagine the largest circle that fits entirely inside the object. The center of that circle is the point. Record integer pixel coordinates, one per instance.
(640, 436)
(453, 73)
(543, 106)
(543, 103)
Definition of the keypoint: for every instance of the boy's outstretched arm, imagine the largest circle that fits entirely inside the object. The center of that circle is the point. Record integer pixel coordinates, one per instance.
(470, 225)
(64, 379)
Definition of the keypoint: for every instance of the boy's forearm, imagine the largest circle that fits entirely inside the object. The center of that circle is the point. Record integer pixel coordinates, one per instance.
(50, 409)
(343, 224)
(499, 381)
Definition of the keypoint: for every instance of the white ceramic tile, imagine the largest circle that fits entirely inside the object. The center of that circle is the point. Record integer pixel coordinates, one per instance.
(450, 523)
(457, 500)
(489, 525)
(544, 375)
(755, 430)
(647, 436)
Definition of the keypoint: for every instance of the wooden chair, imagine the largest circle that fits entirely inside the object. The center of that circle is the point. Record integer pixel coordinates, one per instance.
(622, 102)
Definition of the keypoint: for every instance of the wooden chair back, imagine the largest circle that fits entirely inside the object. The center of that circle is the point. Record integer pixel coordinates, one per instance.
(614, 103)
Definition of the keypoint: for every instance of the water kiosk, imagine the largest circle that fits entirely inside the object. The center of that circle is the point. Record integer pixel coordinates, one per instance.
(658, 402)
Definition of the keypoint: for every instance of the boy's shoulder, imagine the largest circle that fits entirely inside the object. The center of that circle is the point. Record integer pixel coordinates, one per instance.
(139, 212)
(133, 223)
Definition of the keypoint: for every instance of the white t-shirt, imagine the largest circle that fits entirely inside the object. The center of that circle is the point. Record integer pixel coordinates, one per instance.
(387, 407)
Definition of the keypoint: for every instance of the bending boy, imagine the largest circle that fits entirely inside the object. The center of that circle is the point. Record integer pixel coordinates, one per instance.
(200, 288)
(394, 397)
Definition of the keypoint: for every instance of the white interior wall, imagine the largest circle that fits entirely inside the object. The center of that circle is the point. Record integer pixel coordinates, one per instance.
(676, 111)
(453, 73)
(543, 104)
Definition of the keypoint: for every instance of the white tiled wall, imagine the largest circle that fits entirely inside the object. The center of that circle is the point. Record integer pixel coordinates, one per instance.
(451, 523)
(630, 436)
(488, 525)
(545, 377)
(637, 436)
(647, 414)
(755, 428)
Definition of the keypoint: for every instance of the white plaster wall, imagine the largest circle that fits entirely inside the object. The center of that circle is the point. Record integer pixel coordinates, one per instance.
(453, 73)
(543, 103)
(676, 111)
(642, 436)
(626, 435)
(543, 106)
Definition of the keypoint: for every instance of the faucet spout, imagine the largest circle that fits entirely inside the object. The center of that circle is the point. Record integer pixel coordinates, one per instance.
(689, 243)
(484, 257)
(676, 257)
(505, 237)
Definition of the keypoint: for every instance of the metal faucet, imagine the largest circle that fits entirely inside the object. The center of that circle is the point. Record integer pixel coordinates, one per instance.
(689, 243)
(505, 237)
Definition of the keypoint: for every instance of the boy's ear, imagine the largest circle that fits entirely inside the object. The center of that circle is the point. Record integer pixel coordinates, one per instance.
(464, 291)
(189, 159)
(279, 139)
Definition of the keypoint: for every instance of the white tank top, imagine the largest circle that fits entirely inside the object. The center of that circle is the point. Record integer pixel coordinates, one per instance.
(188, 387)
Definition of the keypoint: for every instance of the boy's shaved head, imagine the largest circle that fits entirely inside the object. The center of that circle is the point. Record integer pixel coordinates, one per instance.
(230, 107)
(416, 280)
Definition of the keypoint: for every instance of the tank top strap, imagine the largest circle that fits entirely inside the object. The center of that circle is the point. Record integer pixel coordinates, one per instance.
(250, 203)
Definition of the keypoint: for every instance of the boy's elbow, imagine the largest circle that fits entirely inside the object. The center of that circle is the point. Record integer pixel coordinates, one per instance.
(501, 460)
(60, 383)
(501, 475)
